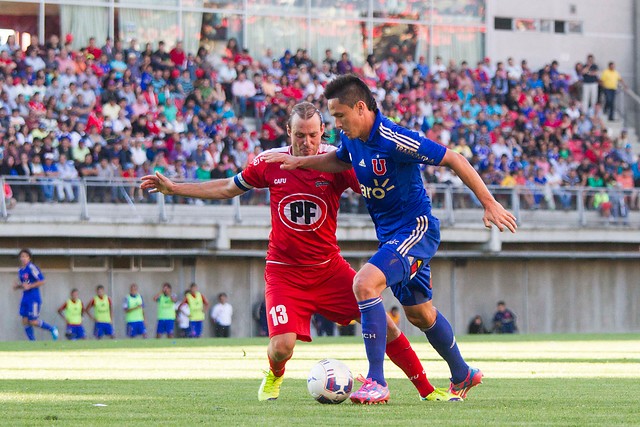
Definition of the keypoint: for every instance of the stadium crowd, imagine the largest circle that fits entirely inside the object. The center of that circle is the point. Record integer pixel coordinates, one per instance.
(115, 111)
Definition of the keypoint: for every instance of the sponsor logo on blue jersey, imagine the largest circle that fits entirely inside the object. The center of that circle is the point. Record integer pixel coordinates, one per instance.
(378, 191)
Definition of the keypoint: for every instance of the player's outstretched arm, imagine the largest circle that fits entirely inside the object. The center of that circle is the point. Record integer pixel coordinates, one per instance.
(327, 162)
(494, 213)
(214, 189)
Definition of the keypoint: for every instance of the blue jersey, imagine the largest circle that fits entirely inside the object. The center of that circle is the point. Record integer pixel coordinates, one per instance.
(387, 167)
(30, 274)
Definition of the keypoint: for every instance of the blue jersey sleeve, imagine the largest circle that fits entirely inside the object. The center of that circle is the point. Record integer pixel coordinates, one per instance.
(342, 152)
(410, 147)
(35, 273)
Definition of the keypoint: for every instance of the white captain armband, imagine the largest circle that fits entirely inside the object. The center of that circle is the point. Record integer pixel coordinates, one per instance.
(241, 183)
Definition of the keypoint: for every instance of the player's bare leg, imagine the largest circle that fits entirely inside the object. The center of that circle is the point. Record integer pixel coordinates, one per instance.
(279, 351)
(440, 334)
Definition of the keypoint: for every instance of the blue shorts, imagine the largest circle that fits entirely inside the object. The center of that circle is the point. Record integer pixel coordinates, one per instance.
(405, 259)
(102, 329)
(75, 332)
(165, 326)
(30, 309)
(195, 329)
(135, 328)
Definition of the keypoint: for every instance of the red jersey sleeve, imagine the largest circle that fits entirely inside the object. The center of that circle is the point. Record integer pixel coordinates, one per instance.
(351, 180)
(253, 176)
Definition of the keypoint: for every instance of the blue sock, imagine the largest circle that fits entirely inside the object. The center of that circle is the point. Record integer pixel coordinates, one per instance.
(441, 337)
(29, 331)
(374, 332)
(45, 325)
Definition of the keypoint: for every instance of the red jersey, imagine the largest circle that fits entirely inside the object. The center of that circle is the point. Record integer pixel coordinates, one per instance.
(304, 208)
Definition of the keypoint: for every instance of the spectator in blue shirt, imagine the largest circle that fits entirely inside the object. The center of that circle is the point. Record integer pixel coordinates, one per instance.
(504, 320)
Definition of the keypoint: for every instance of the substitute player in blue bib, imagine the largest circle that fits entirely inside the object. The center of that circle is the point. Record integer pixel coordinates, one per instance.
(386, 158)
(30, 278)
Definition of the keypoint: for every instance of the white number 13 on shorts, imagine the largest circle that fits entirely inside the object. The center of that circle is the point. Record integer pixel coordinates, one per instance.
(279, 315)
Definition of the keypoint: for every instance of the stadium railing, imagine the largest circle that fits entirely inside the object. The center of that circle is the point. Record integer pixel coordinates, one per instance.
(121, 198)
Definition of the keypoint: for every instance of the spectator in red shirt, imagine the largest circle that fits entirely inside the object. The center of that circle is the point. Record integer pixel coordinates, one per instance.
(177, 56)
(92, 49)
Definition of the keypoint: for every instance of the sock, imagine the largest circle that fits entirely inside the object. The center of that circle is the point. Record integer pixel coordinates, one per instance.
(278, 367)
(374, 333)
(401, 353)
(441, 337)
(29, 331)
(45, 325)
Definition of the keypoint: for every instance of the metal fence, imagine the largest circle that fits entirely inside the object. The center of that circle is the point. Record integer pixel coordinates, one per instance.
(122, 198)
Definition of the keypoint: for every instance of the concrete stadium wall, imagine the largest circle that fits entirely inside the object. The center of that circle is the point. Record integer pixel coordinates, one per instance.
(608, 33)
(547, 295)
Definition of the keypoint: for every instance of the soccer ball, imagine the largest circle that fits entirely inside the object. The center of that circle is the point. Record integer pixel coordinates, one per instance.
(330, 381)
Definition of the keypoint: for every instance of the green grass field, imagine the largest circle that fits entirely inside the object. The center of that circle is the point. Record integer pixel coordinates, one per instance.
(562, 380)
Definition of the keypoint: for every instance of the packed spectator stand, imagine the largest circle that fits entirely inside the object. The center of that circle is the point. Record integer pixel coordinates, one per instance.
(114, 112)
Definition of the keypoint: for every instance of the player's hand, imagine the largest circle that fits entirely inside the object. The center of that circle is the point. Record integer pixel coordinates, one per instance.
(500, 217)
(157, 183)
(26, 286)
(288, 162)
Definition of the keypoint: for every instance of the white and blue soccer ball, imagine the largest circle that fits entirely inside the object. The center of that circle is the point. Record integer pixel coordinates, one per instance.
(330, 381)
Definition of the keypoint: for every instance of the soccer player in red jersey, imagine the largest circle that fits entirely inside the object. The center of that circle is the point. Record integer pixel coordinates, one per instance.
(305, 273)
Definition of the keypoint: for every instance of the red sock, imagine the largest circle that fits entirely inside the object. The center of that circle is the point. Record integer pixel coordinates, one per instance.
(401, 353)
(277, 367)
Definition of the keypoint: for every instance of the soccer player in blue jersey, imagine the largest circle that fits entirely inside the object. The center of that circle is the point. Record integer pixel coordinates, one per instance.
(30, 278)
(386, 160)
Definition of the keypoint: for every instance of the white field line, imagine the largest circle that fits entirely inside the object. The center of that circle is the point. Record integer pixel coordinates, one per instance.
(497, 360)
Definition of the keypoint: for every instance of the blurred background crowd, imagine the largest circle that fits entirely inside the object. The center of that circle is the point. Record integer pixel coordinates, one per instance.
(110, 111)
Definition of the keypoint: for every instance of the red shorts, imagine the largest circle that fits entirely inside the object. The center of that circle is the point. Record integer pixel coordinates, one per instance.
(294, 293)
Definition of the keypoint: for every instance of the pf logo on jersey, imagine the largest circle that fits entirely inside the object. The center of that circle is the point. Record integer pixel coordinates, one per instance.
(302, 212)
(379, 166)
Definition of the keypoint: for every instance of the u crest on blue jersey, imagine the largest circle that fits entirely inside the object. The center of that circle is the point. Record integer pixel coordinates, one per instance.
(379, 166)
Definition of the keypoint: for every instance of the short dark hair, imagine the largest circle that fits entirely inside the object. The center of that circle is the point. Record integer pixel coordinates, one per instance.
(74, 290)
(25, 251)
(349, 89)
(99, 287)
